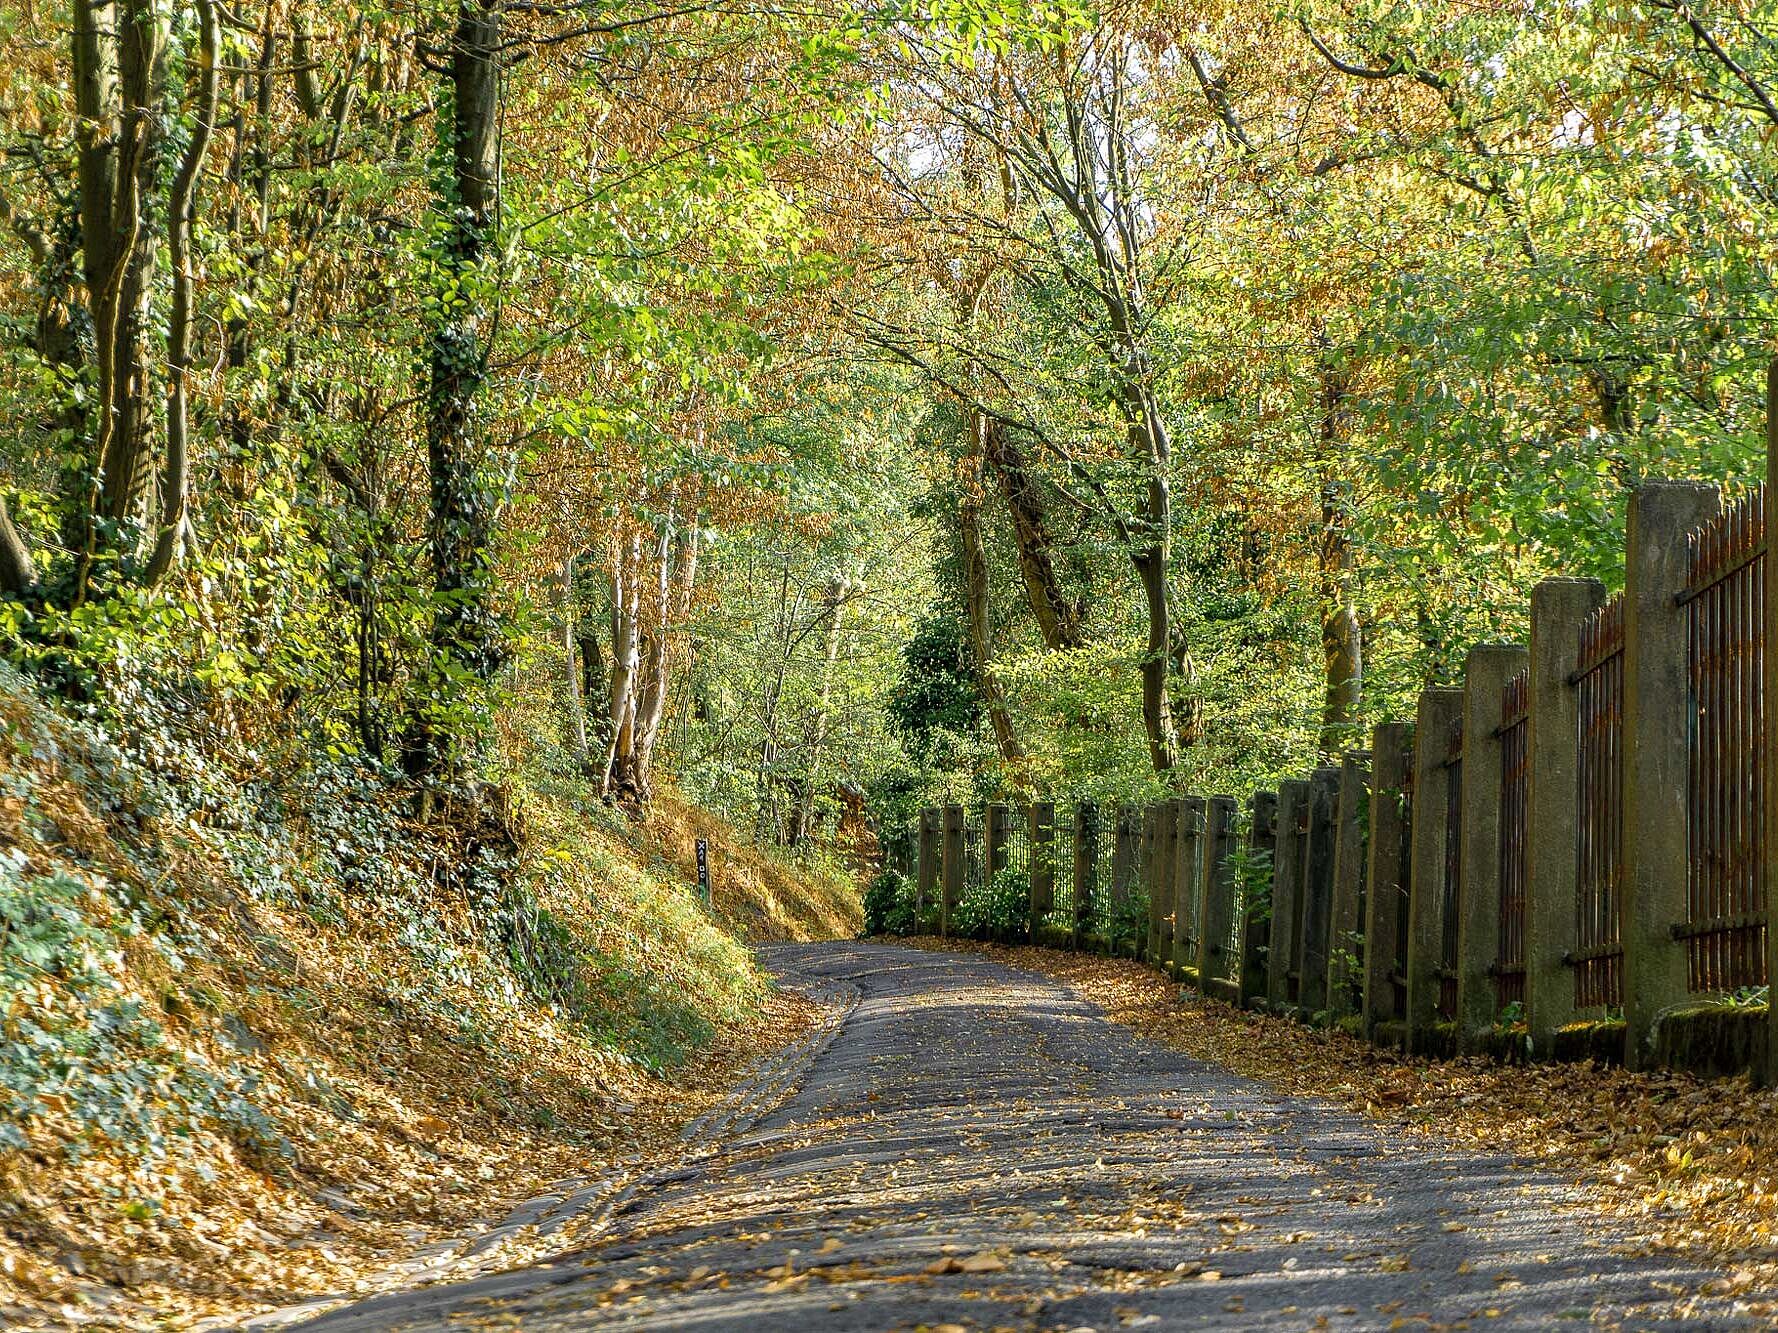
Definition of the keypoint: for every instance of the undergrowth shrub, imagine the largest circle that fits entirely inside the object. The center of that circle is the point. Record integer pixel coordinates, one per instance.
(997, 909)
(889, 904)
(1126, 923)
(76, 1046)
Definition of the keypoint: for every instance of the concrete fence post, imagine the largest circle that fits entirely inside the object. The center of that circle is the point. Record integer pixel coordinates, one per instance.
(1282, 964)
(1168, 835)
(1439, 709)
(1086, 868)
(1318, 864)
(1486, 672)
(951, 869)
(1256, 920)
(1218, 973)
(1188, 850)
(1558, 608)
(1123, 854)
(1042, 833)
(1346, 944)
(1147, 858)
(1386, 877)
(1657, 721)
(926, 886)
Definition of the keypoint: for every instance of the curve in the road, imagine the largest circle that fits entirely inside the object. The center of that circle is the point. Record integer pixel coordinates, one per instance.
(981, 1149)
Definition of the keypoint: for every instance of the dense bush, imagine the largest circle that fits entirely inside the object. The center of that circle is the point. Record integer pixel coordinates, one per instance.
(889, 904)
(1127, 922)
(997, 909)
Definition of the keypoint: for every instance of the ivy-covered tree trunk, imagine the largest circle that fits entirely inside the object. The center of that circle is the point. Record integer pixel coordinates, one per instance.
(466, 640)
(119, 83)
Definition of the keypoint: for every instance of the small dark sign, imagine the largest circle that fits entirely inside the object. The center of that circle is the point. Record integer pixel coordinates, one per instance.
(704, 869)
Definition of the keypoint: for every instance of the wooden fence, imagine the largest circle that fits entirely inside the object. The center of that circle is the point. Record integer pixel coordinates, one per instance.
(1564, 854)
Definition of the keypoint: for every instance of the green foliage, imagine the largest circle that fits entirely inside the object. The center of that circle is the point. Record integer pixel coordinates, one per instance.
(1512, 1033)
(1250, 872)
(889, 902)
(1126, 923)
(74, 1043)
(935, 702)
(996, 910)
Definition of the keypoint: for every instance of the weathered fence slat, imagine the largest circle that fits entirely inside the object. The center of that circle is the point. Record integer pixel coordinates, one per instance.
(1488, 670)
(1217, 963)
(1318, 866)
(1256, 923)
(1451, 883)
(1283, 971)
(1438, 711)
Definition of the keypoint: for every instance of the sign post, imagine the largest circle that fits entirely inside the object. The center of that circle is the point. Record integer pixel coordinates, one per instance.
(704, 869)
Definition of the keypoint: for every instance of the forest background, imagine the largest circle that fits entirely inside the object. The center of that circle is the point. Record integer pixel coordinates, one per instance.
(440, 439)
(844, 409)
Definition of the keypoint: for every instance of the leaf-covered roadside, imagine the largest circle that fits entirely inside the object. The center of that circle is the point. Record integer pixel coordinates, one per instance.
(1691, 1165)
(258, 1043)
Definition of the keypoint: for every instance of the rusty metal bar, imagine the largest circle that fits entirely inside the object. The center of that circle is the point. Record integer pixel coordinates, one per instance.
(1599, 678)
(1725, 929)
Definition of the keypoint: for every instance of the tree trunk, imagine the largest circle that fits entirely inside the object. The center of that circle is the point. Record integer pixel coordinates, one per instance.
(465, 633)
(626, 660)
(1165, 653)
(833, 602)
(1058, 619)
(181, 210)
(678, 578)
(569, 699)
(977, 592)
(1342, 643)
(18, 573)
(767, 823)
(119, 62)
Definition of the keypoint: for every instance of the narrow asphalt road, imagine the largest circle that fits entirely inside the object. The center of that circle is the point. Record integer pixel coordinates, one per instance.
(980, 1149)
